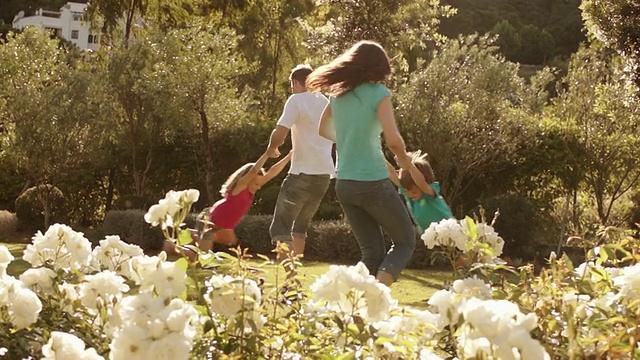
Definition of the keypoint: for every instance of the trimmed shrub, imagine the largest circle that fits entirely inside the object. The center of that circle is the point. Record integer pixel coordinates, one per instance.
(332, 241)
(8, 224)
(131, 227)
(130, 202)
(30, 210)
(329, 241)
(253, 233)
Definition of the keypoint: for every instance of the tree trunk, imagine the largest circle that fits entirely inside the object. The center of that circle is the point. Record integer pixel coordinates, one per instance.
(43, 193)
(208, 158)
(110, 189)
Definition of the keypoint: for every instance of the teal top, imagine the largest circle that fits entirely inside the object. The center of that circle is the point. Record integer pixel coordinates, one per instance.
(427, 209)
(358, 145)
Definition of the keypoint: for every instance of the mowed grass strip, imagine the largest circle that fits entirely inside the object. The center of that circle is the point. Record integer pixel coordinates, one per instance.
(413, 287)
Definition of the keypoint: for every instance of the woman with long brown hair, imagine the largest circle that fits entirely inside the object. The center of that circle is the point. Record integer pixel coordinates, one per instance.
(359, 111)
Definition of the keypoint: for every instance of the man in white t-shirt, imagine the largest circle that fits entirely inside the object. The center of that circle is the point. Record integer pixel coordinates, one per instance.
(311, 167)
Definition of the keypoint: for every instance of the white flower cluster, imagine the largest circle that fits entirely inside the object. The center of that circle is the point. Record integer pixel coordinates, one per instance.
(497, 329)
(449, 303)
(167, 210)
(100, 290)
(410, 329)
(352, 290)
(488, 328)
(153, 323)
(154, 273)
(624, 291)
(234, 298)
(447, 232)
(115, 255)
(629, 282)
(144, 326)
(62, 346)
(459, 234)
(59, 247)
(21, 304)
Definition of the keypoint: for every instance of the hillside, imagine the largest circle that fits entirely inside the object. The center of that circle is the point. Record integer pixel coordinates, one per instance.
(532, 31)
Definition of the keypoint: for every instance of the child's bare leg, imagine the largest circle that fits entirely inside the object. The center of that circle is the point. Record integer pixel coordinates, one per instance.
(220, 236)
(170, 248)
(225, 237)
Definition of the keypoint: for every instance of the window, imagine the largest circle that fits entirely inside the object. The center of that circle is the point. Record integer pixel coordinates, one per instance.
(77, 16)
(74, 34)
(93, 39)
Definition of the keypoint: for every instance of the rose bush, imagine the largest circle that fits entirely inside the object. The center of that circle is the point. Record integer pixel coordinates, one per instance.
(114, 302)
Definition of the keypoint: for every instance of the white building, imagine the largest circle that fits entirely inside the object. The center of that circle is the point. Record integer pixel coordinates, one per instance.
(69, 23)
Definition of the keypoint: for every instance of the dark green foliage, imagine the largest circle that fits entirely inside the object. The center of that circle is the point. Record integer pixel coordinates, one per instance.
(130, 202)
(542, 29)
(524, 228)
(11, 184)
(329, 207)
(617, 24)
(253, 233)
(30, 208)
(131, 227)
(8, 225)
(634, 212)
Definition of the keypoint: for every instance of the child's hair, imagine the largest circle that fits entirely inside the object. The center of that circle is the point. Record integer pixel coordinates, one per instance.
(300, 73)
(366, 61)
(420, 160)
(232, 180)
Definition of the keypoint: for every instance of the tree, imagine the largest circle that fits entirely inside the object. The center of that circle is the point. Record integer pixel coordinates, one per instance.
(116, 14)
(400, 26)
(469, 110)
(508, 39)
(601, 106)
(52, 124)
(617, 24)
(539, 48)
(144, 111)
(272, 36)
(203, 68)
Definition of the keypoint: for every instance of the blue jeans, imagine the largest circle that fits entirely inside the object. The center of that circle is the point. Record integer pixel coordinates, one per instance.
(373, 206)
(299, 198)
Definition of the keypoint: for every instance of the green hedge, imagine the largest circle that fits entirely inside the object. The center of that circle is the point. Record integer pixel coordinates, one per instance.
(329, 241)
(30, 211)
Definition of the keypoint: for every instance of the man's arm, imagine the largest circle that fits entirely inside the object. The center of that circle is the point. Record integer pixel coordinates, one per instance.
(276, 168)
(278, 136)
(326, 128)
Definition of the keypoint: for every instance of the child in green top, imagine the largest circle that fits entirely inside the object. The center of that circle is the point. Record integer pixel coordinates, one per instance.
(421, 191)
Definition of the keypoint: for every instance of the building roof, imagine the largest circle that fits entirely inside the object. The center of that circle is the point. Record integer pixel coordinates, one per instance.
(74, 6)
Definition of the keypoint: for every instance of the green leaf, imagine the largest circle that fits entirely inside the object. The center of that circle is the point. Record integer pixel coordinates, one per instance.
(206, 258)
(608, 252)
(208, 326)
(184, 237)
(348, 356)
(182, 263)
(471, 226)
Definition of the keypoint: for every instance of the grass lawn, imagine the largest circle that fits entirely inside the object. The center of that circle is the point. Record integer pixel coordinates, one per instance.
(412, 289)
